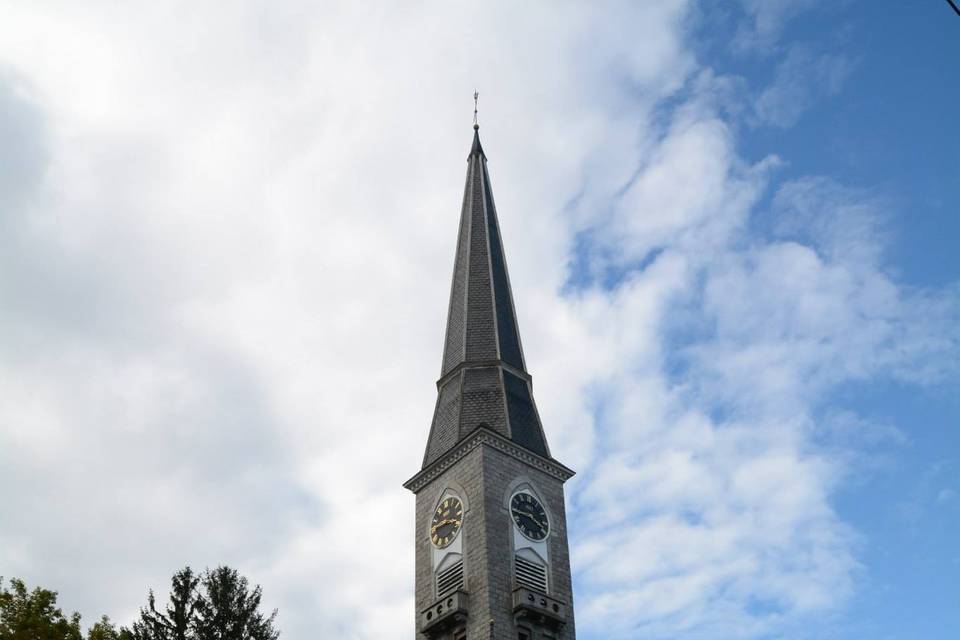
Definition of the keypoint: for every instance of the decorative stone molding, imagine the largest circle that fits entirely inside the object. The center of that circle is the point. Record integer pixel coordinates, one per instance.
(443, 615)
(484, 436)
(539, 609)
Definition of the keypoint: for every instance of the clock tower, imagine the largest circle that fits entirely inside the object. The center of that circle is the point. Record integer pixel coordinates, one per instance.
(491, 535)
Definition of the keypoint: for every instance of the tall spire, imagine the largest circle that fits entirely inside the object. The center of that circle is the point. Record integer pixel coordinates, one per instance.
(483, 379)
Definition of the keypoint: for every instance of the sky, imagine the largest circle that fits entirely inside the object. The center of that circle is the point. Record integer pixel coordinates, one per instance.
(226, 237)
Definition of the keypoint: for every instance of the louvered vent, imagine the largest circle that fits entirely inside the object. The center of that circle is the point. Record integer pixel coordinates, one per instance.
(531, 575)
(450, 579)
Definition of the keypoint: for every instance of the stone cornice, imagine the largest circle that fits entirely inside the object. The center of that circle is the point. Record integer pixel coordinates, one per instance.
(485, 436)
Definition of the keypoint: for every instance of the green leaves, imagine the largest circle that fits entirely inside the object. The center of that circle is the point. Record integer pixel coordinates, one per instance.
(33, 615)
(217, 605)
(105, 630)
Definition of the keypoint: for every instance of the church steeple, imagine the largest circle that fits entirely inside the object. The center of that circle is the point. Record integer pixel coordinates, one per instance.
(481, 323)
(492, 561)
(483, 378)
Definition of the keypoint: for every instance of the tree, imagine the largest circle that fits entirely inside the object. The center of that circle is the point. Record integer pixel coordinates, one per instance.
(34, 615)
(217, 605)
(105, 630)
(229, 610)
(176, 622)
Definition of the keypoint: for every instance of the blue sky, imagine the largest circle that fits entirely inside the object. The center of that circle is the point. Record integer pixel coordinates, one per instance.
(225, 241)
(887, 125)
(886, 129)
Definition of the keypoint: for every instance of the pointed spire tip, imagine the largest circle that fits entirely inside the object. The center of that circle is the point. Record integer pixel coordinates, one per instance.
(477, 149)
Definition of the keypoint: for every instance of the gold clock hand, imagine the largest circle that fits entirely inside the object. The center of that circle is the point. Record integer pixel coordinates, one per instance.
(434, 528)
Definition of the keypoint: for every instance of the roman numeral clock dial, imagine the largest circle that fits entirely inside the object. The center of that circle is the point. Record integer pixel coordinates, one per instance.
(446, 523)
(529, 516)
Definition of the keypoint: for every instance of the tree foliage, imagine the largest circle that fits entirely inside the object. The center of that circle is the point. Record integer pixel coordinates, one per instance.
(217, 605)
(34, 615)
(105, 630)
(228, 609)
(176, 621)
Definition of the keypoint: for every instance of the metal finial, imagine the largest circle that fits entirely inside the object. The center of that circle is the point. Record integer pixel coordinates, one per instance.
(476, 99)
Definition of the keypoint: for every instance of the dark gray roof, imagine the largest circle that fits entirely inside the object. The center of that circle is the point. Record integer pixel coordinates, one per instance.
(483, 380)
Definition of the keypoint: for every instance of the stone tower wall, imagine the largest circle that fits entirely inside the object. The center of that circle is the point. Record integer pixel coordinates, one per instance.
(486, 476)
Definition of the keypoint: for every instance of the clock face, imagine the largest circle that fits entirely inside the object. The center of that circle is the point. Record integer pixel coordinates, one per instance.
(529, 516)
(446, 522)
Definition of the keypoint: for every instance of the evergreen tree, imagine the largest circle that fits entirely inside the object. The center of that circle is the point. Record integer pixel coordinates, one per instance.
(176, 621)
(228, 609)
(217, 605)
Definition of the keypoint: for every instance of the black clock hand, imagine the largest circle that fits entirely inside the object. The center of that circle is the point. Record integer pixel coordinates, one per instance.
(534, 516)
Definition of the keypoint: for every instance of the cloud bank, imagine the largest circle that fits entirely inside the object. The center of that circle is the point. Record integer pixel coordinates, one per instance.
(225, 242)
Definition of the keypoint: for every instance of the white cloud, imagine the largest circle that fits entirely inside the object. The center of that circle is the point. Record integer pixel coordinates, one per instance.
(708, 510)
(799, 81)
(224, 267)
(766, 19)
